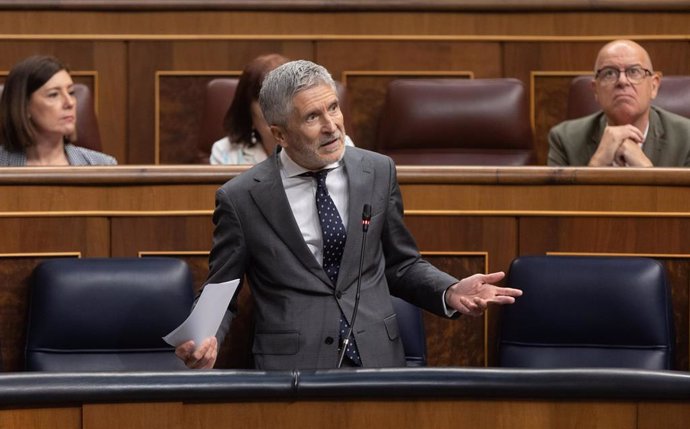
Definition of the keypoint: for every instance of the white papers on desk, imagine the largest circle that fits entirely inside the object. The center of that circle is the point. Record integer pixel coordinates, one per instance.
(206, 316)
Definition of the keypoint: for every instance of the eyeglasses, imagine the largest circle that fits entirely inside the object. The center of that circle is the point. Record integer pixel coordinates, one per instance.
(610, 75)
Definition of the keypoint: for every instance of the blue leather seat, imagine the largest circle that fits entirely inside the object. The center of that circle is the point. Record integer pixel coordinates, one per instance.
(411, 326)
(106, 314)
(587, 312)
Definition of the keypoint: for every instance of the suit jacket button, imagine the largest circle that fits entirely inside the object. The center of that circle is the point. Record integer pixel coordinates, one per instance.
(329, 340)
(338, 294)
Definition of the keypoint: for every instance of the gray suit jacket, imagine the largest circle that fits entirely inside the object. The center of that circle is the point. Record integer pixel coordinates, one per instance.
(572, 143)
(76, 155)
(297, 308)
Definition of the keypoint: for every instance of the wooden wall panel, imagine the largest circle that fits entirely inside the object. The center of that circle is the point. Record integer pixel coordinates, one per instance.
(460, 342)
(549, 106)
(164, 415)
(493, 236)
(41, 418)
(88, 235)
(661, 236)
(483, 58)
(501, 197)
(663, 415)
(145, 59)
(181, 101)
(390, 22)
(338, 413)
(440, 414)
(110, 60)
(177, 234)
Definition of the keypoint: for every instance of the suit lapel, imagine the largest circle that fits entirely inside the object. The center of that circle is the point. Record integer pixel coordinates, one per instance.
(593, 144)
(655, 141)
(360, 176)
(269, 196)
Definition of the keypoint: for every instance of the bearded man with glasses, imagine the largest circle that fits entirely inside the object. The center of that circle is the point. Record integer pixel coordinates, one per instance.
(628, 131)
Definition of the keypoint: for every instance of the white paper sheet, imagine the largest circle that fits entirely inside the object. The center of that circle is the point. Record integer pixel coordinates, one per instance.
(205, 319)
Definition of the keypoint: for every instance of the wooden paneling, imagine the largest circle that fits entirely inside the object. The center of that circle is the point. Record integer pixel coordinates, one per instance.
(472, 340)
(663, 415)
(549, 106)
(389, 22)
(481, 57)
(337, 413)
(441, 414)
(132, 235)
(26, 234)
(148, 60)
(181, 100)
(41, 418)
(456, 342)
(133, 416)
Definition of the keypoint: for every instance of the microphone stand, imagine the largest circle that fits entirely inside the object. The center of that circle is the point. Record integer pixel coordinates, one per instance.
(366, 219)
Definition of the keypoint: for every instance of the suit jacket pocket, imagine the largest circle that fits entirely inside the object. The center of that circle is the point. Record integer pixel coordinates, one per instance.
(276, 343)
(392, 328)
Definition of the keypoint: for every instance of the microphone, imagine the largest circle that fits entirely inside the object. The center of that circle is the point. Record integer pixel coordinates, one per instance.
(366, 220)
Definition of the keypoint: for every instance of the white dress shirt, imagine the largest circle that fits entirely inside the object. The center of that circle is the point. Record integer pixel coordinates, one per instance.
(301, 194)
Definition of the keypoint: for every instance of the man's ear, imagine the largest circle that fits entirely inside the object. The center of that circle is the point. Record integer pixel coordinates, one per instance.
(593, 84)
(279, 135)
(656, 82)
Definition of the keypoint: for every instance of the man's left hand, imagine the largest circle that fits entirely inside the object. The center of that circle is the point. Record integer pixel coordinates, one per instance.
(630, 154)
(473, 294)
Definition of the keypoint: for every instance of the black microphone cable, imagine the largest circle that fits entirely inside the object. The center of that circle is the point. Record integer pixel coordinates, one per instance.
(366, 220)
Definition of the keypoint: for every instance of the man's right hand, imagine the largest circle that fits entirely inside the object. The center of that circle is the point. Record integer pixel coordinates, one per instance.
(202, 357)
(611, 140)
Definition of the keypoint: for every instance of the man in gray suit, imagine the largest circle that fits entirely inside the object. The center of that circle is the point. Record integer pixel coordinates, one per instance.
(629, 131)
(268, 227)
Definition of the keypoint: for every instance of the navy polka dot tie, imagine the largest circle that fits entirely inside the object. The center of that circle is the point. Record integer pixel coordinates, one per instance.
(334, 236)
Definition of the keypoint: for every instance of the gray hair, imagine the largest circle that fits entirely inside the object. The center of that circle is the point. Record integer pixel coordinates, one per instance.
(282, 84)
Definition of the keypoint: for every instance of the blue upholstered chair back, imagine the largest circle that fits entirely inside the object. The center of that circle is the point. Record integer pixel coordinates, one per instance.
(587, 312)
(106, 314)
(411, 325)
